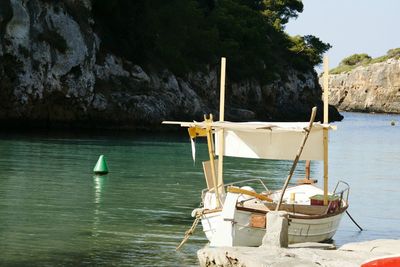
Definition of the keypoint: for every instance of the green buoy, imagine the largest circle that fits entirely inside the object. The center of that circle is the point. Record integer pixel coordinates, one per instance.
(101, 166)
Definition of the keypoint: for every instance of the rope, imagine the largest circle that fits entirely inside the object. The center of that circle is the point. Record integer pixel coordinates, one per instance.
(189, 232)
(359, 227)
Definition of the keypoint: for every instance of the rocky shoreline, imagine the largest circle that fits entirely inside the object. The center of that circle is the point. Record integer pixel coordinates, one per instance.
(299, 255)
(54, 73)
(372, 88)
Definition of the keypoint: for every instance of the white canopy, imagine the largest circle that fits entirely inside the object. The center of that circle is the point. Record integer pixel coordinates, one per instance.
(267, 140)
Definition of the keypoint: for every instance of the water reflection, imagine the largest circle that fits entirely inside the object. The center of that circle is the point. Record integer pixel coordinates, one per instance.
(99, 182)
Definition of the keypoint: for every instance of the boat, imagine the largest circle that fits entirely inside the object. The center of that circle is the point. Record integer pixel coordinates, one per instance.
(385, 261)
(234, 214)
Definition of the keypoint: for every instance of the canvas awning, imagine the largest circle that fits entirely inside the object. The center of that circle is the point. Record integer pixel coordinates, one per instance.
(267, 140)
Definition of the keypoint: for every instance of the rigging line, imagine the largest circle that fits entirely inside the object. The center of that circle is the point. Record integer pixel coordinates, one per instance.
(354, 221)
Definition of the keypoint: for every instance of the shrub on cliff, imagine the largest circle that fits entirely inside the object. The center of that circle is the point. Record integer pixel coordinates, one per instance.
(355, 59)
(350, 62)
(393, 53)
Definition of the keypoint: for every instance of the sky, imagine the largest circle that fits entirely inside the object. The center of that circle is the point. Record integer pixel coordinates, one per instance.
(350, 26)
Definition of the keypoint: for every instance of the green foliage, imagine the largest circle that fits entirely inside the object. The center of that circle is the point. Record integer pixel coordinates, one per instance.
(355, 59)
(341, 69)
(184, 35)
(279, 12)
(394, 53)
(308, 50)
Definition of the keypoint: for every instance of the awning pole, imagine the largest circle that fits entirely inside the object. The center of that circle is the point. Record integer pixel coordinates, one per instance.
(221, 142)
(325, 130)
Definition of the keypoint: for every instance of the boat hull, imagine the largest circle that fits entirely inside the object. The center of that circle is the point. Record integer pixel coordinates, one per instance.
(316, 229)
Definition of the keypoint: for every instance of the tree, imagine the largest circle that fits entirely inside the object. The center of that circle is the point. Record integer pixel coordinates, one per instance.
(308, 50)
(187, 35)
(279, 12)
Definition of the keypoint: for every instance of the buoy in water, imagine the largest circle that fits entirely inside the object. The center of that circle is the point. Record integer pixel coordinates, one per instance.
(393, 123)
(101, 166)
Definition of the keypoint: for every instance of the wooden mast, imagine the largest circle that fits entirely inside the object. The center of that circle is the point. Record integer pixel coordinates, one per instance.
(325, 130)
(221, 132)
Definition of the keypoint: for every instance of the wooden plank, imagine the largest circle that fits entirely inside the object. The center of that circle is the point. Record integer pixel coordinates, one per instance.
(212, 211)
(293, 209)
(208, 173)
(237, 190)
(258, 221)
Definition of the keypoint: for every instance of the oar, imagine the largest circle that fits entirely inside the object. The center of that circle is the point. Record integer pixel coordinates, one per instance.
(308, 130)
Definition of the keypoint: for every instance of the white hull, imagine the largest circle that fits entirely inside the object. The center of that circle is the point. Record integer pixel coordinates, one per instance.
(300, 230)
(233, 225)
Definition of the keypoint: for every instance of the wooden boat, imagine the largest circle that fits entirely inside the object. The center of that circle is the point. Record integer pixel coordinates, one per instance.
(235, 214)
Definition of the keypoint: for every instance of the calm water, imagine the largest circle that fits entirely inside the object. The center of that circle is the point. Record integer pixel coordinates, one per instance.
(53, 211)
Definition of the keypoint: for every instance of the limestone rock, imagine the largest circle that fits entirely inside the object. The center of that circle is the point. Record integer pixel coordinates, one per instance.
(277, 229)
(373, 88)
(54, 74)
(350, 255)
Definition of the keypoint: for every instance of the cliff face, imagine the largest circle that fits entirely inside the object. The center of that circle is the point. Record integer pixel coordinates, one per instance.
(52, 74)
(373, 88)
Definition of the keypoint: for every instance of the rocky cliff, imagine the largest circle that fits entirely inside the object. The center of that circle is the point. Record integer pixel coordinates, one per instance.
(372, 88)
(54, 73)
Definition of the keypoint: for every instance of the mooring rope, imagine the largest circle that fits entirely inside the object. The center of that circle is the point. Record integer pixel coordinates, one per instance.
(189, 232)
(359, 227)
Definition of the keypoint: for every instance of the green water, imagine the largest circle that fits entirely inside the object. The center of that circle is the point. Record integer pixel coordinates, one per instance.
(54, 211)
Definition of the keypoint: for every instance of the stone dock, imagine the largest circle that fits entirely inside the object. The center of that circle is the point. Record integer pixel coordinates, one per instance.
(299, 255)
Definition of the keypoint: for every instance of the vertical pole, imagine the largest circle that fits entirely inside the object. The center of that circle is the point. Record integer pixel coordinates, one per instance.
(222, 91)
(211, 155)
(221, 131)
(307, 133)
(325, 130)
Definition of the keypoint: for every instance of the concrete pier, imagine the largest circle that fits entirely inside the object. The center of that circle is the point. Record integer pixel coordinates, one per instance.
(299, 255)
(277, 229)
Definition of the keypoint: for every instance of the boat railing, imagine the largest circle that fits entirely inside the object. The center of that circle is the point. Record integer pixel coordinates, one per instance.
(342, 191)
(248, 181)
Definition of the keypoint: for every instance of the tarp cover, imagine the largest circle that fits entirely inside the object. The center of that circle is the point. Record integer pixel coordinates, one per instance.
(266, 140)
(270, 140)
